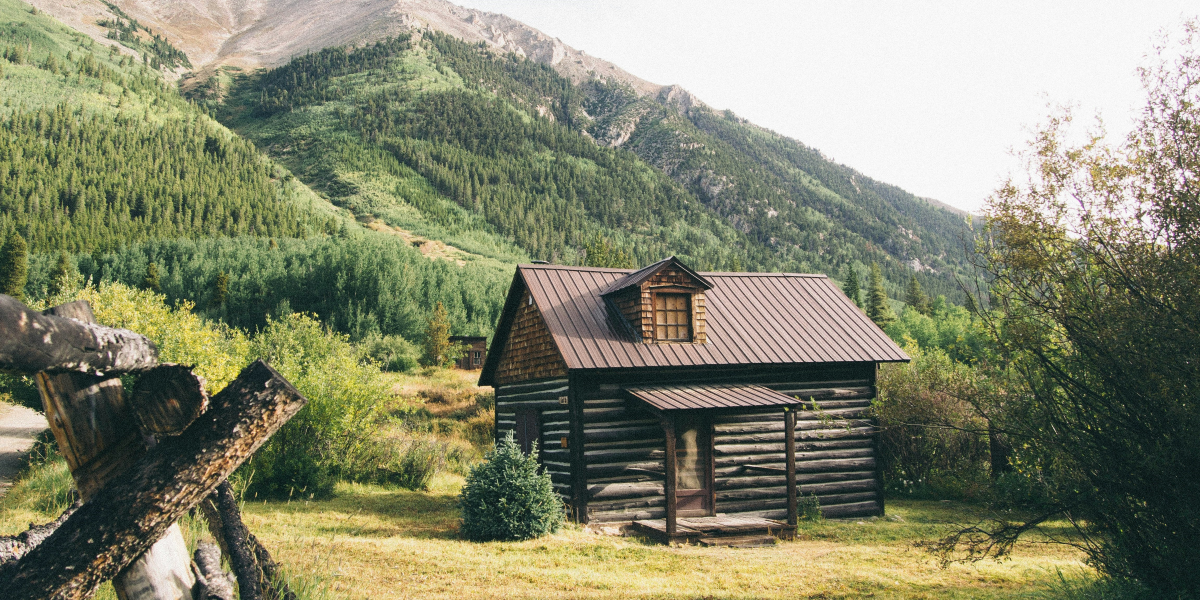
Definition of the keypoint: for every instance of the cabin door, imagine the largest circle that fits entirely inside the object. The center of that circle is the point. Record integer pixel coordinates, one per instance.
(693, 467)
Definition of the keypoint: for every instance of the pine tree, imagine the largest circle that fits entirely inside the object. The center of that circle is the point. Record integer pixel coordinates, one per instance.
(62, 277)
(915, 296)
(151, 282)
(877, 300)
(851, 288)
(602, 253)
(14, 266)
(221, 289)
(436, 351)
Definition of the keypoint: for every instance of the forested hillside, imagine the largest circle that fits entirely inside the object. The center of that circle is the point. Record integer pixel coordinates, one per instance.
(434, 135)
(104, 162)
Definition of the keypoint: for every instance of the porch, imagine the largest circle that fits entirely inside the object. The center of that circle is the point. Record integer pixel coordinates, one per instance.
(720, 530)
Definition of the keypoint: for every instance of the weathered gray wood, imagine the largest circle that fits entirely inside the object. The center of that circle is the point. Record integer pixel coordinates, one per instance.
(668, 426)
(96, 431)
(639, 434)
(615, 491)
(750, 494)
(257, 572)
(856, 509)
(12, 548)
(724, 429)
(624, 505)
(806, 426)
(842, 464)
(32, 342)
(838, 487)
(125, 516)
(790, 444)
(168, 398)
(214, 582)
(726, 483)
(835, 413)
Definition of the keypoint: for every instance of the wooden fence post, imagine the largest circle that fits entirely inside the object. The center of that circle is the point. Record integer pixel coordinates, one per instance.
(97, 433)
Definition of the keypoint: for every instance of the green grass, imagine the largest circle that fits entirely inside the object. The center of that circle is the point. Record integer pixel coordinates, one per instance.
(382, 542)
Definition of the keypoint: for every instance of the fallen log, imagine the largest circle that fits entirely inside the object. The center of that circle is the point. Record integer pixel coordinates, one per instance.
(32, 342)
(258, 574)
(12, 548)
(124, 517)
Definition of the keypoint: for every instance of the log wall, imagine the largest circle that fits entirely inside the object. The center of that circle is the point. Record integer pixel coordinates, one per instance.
(554, 417)
(835, 453)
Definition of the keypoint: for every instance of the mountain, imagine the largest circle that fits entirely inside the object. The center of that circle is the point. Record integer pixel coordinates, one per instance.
(467, 136)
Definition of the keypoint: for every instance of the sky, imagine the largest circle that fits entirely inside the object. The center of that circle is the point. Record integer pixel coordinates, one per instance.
(935, 97)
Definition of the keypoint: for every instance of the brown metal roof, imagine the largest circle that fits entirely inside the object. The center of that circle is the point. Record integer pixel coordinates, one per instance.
(751, 318)
(692, 397)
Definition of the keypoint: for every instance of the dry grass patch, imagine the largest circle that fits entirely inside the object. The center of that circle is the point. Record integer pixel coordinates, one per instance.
(383, 543)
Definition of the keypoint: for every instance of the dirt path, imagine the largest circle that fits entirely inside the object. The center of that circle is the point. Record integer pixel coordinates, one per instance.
(18, 426)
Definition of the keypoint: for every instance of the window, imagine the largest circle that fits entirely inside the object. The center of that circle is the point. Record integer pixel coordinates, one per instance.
(476, 358)
(672, 317)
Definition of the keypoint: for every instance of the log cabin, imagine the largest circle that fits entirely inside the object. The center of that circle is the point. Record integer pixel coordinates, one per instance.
(681, 402)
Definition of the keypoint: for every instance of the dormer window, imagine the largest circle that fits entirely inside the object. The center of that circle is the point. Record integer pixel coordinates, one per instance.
(660, 304)
(673, 317)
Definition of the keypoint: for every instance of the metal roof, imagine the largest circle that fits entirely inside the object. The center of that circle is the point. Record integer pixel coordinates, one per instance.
(692, 397)
(750, 318)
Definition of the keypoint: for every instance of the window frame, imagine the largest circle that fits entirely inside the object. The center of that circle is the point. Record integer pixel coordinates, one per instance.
(689, 311)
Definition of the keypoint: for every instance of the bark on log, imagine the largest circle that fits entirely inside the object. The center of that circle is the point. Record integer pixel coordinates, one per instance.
(32, 342)
(12, 548)
(257, 573)
(215, 583)
(126, 516)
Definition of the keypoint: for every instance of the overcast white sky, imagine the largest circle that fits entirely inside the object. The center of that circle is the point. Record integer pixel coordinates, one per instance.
(930, 96)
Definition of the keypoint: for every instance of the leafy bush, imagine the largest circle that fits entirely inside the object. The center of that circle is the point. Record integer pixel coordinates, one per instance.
(506, 499)
(933, 440)
(391, 352)
(332, 437)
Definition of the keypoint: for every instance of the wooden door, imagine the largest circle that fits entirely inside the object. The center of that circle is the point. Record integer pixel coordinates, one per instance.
(693, 467)
(529, 430)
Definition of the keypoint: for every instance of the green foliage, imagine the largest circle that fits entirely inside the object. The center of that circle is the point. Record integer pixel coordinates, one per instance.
(506, 499)
(156, 51)
(850, 287)
(951, 329)
(151, 281)
(1094, 271)
(877, 300)
(14, 266)
(600, 253)
(63, 277)
(915, 297)
(436, 349)
(391, 352)
(362, 285)
(933, 434)
(331, 438)
(809, 507)
(131, 180)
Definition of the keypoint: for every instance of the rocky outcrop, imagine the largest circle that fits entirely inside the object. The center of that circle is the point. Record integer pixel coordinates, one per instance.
(268, 33)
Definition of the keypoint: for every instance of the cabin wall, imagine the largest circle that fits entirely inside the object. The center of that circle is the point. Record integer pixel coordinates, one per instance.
(543, 396)
(835, 454)
(529, 353)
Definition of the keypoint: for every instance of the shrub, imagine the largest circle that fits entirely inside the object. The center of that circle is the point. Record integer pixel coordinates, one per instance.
(332, 437)
(506, 499)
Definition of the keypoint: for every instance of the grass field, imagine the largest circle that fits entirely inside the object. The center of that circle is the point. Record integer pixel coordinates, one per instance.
(373, 542)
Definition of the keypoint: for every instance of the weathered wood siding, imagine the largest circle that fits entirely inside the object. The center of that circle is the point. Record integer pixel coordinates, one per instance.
(544, 397)
(529, 352)
(835, 453)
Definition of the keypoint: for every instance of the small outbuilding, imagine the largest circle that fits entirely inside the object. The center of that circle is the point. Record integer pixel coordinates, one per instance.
(691, 402)
(474, 351)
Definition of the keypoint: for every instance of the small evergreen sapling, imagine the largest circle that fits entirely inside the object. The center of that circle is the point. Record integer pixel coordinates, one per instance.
(14, 266)
(851, 288)
(877, 300)
(506, 499)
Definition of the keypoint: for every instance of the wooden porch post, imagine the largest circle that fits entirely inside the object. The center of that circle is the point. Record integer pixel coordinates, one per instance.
(668, 424)
(789, 428)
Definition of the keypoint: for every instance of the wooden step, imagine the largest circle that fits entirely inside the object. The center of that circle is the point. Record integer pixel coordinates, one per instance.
(741, 541)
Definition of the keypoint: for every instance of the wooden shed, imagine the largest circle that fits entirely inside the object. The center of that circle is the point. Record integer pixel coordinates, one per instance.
(678, 399)
(475, 351)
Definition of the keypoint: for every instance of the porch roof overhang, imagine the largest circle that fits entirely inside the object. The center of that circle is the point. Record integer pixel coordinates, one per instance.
(663, 398)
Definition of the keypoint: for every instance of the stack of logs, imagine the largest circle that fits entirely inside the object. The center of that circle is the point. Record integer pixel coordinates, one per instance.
(140, 461)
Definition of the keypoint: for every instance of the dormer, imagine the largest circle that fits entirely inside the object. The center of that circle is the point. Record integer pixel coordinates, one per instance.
(662, 303)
